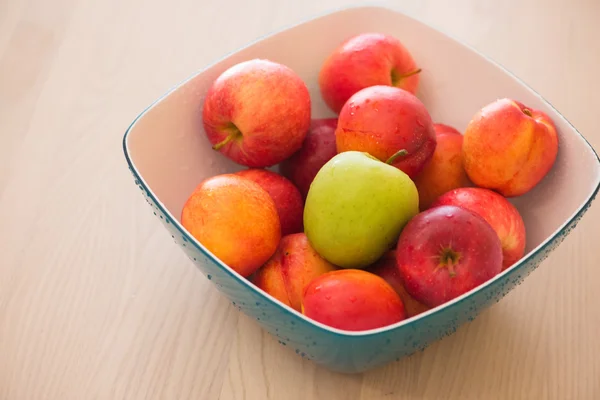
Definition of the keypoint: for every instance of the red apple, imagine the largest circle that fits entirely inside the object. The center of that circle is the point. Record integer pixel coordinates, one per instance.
(318, 148)
(257, 113)
(387, 269)
(384, 120)
(290, 269)
(286, 196)
(445, 252)
(509, 147)
(367, 59)
(445, 170)
(353, 300)
(498, 212)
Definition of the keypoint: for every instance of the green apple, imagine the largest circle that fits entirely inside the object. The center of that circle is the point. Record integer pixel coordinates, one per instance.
(356, 208)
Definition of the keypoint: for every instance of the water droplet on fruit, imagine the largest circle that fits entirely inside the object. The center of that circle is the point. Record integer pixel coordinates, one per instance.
(352, 299)
(449, 216)
(327, 297)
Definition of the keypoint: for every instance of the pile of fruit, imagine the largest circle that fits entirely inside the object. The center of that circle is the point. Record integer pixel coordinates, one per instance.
(376, 215)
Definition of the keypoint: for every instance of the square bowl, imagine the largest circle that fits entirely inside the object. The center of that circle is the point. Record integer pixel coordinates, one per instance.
(169, 155)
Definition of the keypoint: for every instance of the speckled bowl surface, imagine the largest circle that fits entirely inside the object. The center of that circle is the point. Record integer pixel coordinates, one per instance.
(168, 155)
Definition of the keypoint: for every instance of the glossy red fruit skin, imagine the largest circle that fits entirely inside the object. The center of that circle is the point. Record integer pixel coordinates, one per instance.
(422, 241)
(352, 300)
(318, 148)
(285, 195)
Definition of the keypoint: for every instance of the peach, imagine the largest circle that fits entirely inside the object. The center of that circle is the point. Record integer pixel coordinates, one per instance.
(509, 147)
(445, 170)
(498, 212)
(286, 196)
(387, 269)
(318, 148)
(257, 113)
(353, 300)
(367, 59)
(286, 274)
(390, 124)
(235, 219)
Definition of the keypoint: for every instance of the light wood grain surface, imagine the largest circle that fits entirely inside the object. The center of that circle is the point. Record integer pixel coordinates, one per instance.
(96, 301)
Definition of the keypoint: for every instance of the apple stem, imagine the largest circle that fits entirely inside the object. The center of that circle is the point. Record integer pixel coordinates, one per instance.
(399, 153)
(228, 139)
(527, 112)
(451, 270)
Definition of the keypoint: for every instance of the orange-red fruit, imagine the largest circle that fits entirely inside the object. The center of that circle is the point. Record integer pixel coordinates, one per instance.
(235, 219)
(387, 268)
(352, 300)
(367, 59)
(286, 274)
(382, 120)
(284, 193)
(445, 170)
(498, 212)
(509, 147)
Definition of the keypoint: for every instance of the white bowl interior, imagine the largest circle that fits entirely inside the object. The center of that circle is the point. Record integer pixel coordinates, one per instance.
(168, 147)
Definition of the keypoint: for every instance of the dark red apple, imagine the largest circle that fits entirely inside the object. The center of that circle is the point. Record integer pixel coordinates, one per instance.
(286, 196)
(318, 148)
(445, 252)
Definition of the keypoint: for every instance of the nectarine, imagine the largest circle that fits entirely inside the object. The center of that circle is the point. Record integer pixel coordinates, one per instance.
(286, 274)
(509, 147)
(235, 219)
(444, 171)
(352, 300)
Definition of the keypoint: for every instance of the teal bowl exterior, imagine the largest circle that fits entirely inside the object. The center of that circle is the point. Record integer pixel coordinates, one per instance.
(341, 351)
(348, 352)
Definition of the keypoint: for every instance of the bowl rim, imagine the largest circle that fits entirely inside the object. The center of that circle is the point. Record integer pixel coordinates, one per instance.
(169, 218)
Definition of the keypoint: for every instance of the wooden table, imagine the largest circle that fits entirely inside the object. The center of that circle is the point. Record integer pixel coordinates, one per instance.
(96, 301)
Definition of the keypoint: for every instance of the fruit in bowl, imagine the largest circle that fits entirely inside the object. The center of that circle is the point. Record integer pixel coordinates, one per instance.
(383, 120)
(257, 113)
(293, 266)
(353, 300)
(285, 195)
(445, 170)
(387, 268)
(168, 167)
(356, 208)
(509, 147)
(235, 219)
(318, 148)
(498, 212)
(445, 252)
(364, 60)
